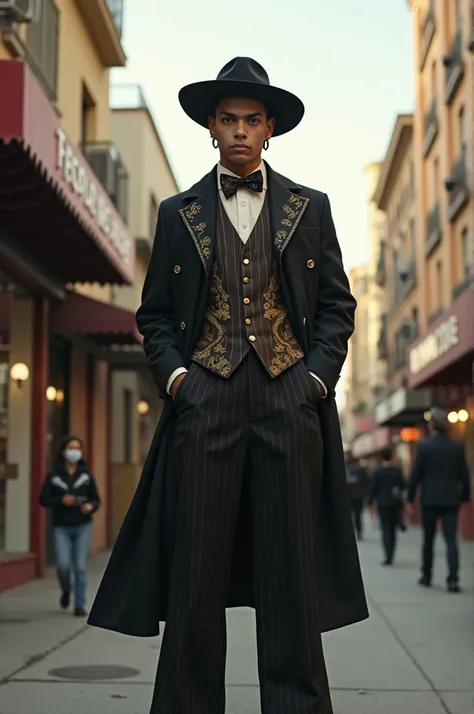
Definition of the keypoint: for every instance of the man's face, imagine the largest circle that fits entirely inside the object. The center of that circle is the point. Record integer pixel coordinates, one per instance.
(241, 126)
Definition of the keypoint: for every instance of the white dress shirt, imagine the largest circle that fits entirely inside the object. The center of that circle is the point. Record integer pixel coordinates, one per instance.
(243, 210)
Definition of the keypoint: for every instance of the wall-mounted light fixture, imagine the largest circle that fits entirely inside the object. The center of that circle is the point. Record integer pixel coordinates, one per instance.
(19, 373)
(143, 407)
(51, 394)
(461, 416)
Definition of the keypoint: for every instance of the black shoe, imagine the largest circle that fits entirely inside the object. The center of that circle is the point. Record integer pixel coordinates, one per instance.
(387, 562)
(80, 612)
(453, 588)
(65, 599)
(424, 582)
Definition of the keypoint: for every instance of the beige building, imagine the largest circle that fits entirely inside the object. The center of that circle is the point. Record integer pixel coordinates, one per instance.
(64, 240)
(426, 192)
(366, 369)
(151, 180)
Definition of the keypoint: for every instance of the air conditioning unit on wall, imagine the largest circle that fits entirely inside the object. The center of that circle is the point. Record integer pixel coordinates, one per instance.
(19, 11)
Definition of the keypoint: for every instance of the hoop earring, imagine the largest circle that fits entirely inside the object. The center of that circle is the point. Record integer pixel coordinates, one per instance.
(215, 143)
(266, 144)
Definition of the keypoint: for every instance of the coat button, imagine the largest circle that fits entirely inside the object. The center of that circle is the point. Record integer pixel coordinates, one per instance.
(182, 325)
(177, 269)
(310, 264)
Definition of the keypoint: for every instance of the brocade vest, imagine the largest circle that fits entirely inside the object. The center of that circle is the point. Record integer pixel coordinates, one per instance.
(245, 309)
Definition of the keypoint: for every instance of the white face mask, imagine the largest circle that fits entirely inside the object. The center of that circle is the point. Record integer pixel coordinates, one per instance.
(73, 455)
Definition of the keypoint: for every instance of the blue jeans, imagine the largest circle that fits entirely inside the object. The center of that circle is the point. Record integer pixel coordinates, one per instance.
(72, 545)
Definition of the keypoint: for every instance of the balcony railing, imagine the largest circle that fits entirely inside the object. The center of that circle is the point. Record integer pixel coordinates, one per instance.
(454, 65)
(116, 9)
(427, 34)
(431, 127)
(381, 273)
(433, 230)
(106, 163)
(457, 186)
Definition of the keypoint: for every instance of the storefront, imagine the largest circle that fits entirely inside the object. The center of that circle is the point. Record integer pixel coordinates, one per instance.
(443, 360)
(58, 228)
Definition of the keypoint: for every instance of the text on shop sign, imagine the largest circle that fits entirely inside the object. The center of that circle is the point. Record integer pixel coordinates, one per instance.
(75, 174)
(440, 341)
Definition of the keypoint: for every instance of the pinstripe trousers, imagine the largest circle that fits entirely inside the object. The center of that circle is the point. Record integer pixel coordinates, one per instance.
(222, 426)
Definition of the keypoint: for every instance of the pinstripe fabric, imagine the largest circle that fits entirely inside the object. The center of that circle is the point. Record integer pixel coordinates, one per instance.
(245, 307)
(223, 426)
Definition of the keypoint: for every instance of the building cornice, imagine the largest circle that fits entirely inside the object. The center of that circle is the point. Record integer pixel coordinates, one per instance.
(403, 124)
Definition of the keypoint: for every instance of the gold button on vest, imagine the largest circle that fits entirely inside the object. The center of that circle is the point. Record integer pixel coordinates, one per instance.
(252, 338)
(248, 321)
(246, 301)
(246, 261)
(246, 280)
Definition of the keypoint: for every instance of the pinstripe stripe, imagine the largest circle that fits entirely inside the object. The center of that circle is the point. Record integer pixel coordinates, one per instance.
(222, 425)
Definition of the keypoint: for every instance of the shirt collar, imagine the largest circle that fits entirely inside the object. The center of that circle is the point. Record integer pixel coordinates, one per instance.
(222, 170)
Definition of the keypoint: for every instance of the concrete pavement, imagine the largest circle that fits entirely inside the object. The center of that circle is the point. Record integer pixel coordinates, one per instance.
(415, 655)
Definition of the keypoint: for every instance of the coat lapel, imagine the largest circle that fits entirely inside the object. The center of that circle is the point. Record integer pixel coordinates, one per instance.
(287, 207)
(199, 217)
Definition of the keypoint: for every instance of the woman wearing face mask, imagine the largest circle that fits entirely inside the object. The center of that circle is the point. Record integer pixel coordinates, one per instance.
(71, 492)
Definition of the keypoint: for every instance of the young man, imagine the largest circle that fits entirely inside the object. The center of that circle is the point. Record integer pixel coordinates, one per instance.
(440, 469)
(246, 315)
(388, 486)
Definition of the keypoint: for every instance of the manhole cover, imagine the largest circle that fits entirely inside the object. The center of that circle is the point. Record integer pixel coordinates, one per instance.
(91, 672)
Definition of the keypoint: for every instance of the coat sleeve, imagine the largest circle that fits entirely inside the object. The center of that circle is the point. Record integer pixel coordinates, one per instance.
(155, 316)
(416, 476)
(465, 478)
(47, 498)
(375, 488)
(335, 310)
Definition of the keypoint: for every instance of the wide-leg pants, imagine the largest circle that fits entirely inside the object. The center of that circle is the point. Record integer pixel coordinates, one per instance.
(224, 425)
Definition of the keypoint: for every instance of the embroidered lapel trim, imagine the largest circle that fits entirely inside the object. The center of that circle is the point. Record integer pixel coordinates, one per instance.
(291, 214)
(199, 232)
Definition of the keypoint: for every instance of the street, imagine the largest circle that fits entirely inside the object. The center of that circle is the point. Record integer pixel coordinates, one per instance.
(415, 655)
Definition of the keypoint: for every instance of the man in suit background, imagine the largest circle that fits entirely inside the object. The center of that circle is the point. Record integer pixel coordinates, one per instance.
(440, 471)
(357, 482)
(388, 486)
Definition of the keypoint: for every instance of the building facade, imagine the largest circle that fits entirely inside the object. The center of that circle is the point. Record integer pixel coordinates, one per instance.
(152, 180)
(429, 336)
(64, 241)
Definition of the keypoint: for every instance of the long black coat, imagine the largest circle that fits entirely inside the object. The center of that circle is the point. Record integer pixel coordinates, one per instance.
(132, 597)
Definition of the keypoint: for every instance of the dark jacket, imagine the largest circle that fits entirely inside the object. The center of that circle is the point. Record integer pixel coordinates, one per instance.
(357, 481)
(132, 597)
(387, 487)
(440, 469)
(81, 484)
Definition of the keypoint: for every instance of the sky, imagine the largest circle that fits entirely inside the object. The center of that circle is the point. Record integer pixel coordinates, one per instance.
(350, 61)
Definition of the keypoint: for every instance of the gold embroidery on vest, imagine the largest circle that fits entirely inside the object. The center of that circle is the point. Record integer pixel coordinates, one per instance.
(212, 345)
(285, 346)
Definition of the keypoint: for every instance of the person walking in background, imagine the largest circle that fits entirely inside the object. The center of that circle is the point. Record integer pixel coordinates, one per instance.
(440, 470)
(387, 490)
(357, 481)
(71, 492)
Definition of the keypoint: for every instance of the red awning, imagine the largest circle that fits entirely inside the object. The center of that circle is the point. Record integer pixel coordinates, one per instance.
(104, 323)
(51, 203)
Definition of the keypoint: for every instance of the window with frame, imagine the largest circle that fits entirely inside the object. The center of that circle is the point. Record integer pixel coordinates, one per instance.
(42, 47)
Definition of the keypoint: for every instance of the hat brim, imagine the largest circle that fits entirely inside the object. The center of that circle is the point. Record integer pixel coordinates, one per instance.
(199, 101)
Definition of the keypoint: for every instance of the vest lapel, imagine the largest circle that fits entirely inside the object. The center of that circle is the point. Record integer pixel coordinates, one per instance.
(199, 217)
(287, 208)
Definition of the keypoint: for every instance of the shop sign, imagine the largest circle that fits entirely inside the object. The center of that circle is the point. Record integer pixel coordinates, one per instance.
(438, 343)
(76, 175)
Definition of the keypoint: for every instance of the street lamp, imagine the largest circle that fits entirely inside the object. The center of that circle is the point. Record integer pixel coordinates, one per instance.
(463, 415)
(51, 394)
(19, 373)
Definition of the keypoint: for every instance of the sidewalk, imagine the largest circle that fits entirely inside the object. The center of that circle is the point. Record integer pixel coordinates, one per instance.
(415, 655)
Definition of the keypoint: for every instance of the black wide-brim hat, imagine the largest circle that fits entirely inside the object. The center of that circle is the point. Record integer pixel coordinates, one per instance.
(242, 77)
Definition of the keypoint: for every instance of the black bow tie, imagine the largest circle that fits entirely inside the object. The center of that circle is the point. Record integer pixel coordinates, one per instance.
(230, 184)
